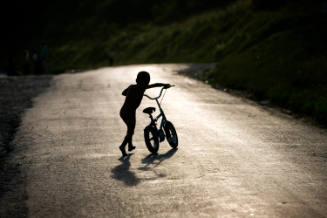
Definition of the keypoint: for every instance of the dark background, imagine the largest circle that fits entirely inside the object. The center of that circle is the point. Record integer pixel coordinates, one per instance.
(24, 22)
(273, 50)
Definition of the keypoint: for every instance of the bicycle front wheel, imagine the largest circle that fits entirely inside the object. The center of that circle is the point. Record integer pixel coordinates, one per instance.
(171, 134)
(151, 138)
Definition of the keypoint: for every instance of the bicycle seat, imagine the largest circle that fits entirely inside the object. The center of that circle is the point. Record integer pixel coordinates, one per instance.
(149, 110)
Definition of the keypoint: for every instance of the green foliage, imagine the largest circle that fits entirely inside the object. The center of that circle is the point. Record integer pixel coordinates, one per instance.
(279, 56)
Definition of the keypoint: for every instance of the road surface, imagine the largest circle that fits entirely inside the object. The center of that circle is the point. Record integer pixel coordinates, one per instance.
(235, 158)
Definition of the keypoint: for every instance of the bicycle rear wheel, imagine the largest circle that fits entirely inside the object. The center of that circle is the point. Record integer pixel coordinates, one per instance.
(171, 134)
(151, 138)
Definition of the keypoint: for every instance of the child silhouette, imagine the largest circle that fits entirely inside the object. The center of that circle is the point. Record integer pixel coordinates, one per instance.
(134, 95)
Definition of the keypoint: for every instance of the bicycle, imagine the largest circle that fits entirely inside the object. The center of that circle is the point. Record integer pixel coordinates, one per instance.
(152, 135)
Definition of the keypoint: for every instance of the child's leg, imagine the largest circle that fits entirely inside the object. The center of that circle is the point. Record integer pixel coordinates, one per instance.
(127, 140)
(130, 132)
(123, 145)
(129, 119)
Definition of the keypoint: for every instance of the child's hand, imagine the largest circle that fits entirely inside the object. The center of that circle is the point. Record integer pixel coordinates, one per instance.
(166, 86)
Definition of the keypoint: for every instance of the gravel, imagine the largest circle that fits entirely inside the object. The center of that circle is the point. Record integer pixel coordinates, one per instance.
(16, 95)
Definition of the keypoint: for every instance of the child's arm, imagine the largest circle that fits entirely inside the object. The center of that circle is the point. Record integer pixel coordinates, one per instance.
(165, 85)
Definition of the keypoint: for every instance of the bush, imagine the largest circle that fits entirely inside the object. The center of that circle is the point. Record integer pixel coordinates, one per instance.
(267, 5)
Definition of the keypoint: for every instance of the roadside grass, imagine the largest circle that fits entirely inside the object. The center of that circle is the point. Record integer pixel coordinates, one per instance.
(283, 61)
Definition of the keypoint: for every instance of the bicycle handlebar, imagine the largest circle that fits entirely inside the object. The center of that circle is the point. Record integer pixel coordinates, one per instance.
(158, 95)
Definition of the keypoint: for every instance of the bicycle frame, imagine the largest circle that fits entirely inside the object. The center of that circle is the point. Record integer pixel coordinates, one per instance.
(161, 114)
(152, 135)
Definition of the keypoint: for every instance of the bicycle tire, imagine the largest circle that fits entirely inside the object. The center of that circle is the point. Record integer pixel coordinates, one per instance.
(151, 139)
(171, 134)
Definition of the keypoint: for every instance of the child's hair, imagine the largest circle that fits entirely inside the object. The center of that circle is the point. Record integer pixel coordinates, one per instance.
(143, 78)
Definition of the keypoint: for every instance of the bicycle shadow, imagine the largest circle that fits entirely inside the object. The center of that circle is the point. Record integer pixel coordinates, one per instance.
(122, 173)
(156, 159)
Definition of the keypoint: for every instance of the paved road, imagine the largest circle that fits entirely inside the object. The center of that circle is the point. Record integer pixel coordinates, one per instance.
(236, 159)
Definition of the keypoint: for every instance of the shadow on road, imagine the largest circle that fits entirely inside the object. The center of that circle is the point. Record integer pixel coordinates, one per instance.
(122, 173)
(156, 159)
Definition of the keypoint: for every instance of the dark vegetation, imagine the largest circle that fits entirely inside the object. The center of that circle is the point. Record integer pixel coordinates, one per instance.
(272, 50)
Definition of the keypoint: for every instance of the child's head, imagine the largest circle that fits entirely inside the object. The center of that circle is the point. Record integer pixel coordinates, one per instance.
(143, 78)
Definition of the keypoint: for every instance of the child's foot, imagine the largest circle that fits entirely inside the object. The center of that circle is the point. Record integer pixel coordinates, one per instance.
(131, 147)
(122, 149)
